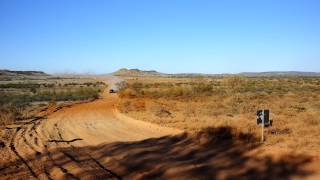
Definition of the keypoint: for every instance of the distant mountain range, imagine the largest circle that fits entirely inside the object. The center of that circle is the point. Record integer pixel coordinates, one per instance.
(141, 73)
(280, 73)
(15, 75)
(27, 73)
(6, 75)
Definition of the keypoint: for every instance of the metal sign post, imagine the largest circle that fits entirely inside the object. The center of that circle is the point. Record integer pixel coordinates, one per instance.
(262, 127)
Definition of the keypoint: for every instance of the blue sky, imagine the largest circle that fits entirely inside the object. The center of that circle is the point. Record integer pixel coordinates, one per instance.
(173, 36)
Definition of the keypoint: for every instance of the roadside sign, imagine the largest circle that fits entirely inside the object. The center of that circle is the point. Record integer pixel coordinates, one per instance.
(263, 117)
(263, 120)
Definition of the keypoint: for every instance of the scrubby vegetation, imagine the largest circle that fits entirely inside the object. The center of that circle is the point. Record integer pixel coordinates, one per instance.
(207, 87)
(46, 95)
(12, 111)
(195, 103)
(18, 99)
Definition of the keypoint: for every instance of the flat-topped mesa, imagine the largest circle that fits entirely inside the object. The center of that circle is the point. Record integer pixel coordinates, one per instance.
(136, 72)
(27, 73)
(9, 75)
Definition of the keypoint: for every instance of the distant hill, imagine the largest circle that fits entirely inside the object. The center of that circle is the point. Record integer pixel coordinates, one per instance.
(280, 73)
(136, 72)
(141, 73)
(28, 73)
(6, 75)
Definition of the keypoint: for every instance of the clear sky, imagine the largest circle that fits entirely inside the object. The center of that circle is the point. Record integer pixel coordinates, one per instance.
(172, 36)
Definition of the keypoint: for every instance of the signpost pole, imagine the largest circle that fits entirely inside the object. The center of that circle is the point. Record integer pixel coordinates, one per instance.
(262, 127)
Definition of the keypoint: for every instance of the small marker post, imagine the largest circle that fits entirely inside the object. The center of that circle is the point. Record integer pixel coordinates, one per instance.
(262, 127)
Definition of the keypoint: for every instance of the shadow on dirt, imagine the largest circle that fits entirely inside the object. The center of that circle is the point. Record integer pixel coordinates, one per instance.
(215, 153)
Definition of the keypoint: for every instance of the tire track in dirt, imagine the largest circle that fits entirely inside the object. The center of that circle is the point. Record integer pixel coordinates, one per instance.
(105, 169)
(68, 155)
(30, 144)
(65, 172)
(47, 173)
(13, 148)
(86, 162)
(50, 163)
(20, 139)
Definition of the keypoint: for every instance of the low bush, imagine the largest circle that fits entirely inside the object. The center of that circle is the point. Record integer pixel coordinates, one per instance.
(158, 90)
(12, 111)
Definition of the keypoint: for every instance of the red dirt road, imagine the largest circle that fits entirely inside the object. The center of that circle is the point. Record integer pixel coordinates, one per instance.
(38, 145)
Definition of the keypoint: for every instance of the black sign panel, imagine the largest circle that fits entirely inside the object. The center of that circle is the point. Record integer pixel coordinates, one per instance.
(263, 115)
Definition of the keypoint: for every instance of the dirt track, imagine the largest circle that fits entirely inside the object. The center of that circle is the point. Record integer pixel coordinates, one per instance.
(38, 145)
